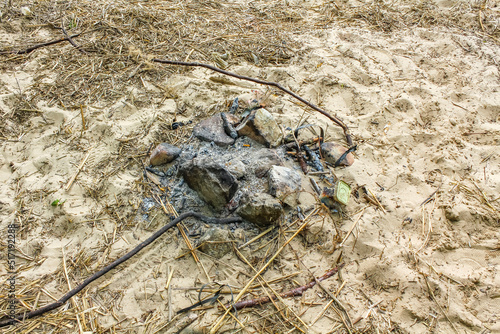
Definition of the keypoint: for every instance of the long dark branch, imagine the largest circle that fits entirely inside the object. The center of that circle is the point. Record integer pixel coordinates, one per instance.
(137, 249)
(335, 119)
(41, 45)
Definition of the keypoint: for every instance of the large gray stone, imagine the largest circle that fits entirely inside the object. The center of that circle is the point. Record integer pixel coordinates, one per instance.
(216, 242)
(212, 130)
(261, 209)
(261, 126)
(213, 182)
(285, 184)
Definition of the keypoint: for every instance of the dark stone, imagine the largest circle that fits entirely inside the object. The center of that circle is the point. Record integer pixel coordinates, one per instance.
(332, 152)
(213, 182)
(164, 153)
(212, 130)
(261, 209)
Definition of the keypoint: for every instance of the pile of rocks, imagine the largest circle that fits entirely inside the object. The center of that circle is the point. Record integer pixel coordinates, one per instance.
(236, 166)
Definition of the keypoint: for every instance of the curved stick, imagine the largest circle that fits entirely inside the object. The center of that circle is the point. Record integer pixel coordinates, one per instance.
(41, 45)
(114, 264)
(335, 119)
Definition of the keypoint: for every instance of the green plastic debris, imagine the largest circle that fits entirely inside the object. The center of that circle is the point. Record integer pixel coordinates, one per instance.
(57, 202)
(342, 192)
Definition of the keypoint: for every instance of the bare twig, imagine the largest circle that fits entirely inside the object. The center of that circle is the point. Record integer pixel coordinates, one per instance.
(41, 45)
(220, 322)
(114, 264)
(335, 119)
(292, 293)
(70, 39)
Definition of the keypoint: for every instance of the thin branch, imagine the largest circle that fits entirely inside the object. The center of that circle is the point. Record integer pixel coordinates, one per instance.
(292, 293)
(70, 39)
(105, 270)
(335, 119)
(41, 45)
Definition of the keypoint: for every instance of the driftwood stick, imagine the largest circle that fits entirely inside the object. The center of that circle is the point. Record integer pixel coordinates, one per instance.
(41, 45)
(10, 321)
(292, 293)
(335, 119)
(70, 39)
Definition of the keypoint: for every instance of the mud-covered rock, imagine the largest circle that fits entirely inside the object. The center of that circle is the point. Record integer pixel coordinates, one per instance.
(266, 158)
(163, 154)
(216, 242)
(332, 152)
(284, 184)
(212, 130)
(212, 181)
(237, 168)
(261, 209)
(261, 126)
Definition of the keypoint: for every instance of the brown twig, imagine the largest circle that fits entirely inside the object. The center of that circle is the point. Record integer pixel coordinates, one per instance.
(114, 264)
(335, 119)
(41, 45)
(220, 322)
(292, 293)
(70, 39)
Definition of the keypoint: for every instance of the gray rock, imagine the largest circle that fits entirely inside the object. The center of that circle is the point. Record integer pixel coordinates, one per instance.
(332, 152)
(261, 209)
(284, 184)
(213, 182)
(237, 168)
(265, 159)
(261, 126)
(216, 242)
(212, 130)
(164, 153)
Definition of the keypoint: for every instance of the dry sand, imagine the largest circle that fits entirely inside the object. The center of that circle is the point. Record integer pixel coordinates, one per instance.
(423, 105)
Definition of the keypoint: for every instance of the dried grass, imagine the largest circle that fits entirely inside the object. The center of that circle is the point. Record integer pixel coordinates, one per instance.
(480, 17)
(116, 35)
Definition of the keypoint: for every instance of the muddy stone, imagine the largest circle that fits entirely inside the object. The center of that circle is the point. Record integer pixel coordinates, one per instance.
(163, 154)
(261, 209)
(213, 182)
(237, 168)
(284, 184)
(261, 127)
(332, 152)
(266, 159)
(212, 130)
(216, 242)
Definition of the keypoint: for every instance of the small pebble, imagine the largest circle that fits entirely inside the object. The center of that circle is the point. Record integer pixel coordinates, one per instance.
(332, 152)
(164, 153)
